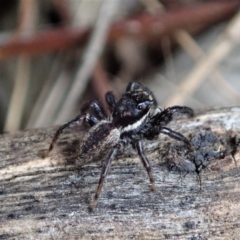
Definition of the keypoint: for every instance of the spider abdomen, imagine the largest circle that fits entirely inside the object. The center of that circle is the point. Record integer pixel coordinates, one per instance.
(100, 138)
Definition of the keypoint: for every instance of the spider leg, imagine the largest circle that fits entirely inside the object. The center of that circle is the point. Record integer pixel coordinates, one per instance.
(166, 116)
(104, 173)
(175, 135)
(88, 118)
(181, 109)
(111, 101)
(96, 107)
(146, 164)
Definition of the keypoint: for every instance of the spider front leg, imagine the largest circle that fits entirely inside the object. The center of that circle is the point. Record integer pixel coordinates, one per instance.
(145, 163)
(175, 135)
(104, 174)
(166, 116)
(111, 101)
(87, 117)
(96, 107)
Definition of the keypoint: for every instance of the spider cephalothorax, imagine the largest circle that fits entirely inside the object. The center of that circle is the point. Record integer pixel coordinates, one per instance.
(133, 118)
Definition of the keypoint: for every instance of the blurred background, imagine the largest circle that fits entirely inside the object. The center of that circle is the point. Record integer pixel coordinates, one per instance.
(57, 54)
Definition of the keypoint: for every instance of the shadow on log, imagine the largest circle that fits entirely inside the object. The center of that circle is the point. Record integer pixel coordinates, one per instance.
(49, 198)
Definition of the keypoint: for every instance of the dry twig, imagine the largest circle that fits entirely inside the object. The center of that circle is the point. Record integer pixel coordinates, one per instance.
(150, 27)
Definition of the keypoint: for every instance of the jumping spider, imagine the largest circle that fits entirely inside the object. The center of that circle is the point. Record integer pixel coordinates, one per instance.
(133, 118)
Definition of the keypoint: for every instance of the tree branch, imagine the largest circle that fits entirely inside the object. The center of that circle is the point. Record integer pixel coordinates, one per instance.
(49, 198)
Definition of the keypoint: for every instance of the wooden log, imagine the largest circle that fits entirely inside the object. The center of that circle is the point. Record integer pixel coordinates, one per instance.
(49, 198)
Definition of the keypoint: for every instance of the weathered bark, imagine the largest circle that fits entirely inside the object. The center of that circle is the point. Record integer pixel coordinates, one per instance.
(49, 198)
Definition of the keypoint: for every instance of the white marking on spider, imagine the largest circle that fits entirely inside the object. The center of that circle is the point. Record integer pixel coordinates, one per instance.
(154, 112)
(131, 127)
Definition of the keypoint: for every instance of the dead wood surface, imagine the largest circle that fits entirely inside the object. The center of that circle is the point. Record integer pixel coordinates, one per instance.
(49, 198)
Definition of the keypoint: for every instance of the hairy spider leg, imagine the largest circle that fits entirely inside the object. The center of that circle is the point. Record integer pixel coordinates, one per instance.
(91, 120)
(104, 173)
(166, 116)
(182, 110)
(146, 164)
(111, 101)
(175, 135)
(96, 107)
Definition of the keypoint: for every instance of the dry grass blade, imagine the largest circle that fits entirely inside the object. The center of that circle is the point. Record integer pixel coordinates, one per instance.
(184, 39)
(187, 42)
(93, 51)
(206, 65)
(52, 94)
(27, 19)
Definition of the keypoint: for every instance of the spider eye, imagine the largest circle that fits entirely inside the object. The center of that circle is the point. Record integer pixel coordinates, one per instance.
(140, 106)
(143, 105)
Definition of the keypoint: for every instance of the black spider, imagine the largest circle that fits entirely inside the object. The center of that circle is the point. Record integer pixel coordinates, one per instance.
(134, 117)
